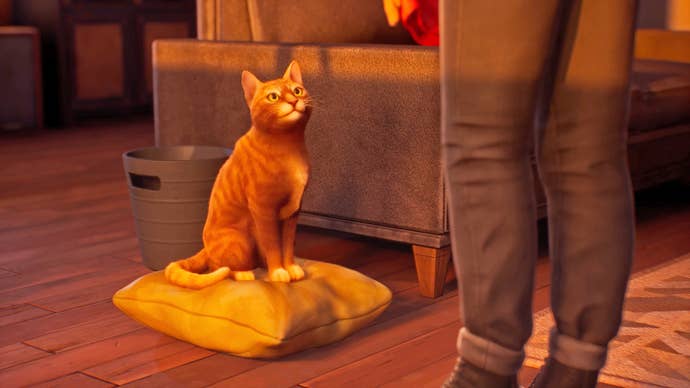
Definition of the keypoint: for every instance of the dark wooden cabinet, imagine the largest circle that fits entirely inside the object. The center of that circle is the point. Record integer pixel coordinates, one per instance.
(157, 25)
(97, 53)
(21, 102)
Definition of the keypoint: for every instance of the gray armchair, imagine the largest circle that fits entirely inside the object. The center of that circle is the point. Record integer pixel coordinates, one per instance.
(374, 136)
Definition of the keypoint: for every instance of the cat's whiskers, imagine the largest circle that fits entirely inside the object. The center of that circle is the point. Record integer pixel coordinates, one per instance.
(309, 102)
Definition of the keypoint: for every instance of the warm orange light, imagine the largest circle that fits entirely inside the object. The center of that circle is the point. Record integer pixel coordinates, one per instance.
(678, 16)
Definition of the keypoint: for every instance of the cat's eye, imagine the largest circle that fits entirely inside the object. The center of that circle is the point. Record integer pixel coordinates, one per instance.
(273, 97)
(298, 91)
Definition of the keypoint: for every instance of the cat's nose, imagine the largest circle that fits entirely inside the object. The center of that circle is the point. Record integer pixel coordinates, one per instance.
(291, 99)
(299, 106)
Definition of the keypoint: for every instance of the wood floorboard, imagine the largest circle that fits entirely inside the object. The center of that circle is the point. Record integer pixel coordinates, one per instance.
(38, 287)
(201, 373)
(70, 249)
(55, 230)
(84, 333)
(298, 368)
(59, 229)
(26, 330)
(20, 312)
(86, 296)
(393, 362)
(67, 243)
(431, 375)
(83, 357)
(154, 360)
(74, 380)
(18, 353)
(37, 203)
(6, 274)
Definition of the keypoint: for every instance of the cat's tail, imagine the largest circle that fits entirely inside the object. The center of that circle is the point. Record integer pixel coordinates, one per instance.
(185, 273)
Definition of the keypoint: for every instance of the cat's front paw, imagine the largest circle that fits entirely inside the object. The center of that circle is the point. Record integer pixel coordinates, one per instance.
(296, 272)
(279, 275)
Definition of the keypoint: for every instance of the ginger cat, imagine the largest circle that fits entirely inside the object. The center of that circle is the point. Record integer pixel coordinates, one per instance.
(252, 214)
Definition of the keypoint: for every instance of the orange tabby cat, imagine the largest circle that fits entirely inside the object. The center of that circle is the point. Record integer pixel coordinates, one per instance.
(252, 214)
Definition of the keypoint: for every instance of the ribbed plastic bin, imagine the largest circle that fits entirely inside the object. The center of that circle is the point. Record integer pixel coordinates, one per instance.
(169, 189)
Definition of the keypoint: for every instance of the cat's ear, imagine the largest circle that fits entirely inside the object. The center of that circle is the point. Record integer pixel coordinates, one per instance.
(293, 73)
(249, 84)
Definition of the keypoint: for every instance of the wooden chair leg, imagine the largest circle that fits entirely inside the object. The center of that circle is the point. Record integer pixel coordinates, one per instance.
(432, 265)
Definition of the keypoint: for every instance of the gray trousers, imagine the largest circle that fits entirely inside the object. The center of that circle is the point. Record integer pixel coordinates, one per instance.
(552, 76)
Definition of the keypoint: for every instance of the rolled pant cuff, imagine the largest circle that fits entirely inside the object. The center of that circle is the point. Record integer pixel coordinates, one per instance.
(489, 355)
(575, 353)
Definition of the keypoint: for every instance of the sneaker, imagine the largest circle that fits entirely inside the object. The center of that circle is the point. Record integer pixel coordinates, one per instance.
(556, 375)
(466, 375)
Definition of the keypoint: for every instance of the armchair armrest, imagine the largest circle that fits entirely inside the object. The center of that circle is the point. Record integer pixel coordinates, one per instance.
(663, 45)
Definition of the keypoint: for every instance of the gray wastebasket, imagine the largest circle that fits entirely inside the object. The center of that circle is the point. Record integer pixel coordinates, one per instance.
(169, 189)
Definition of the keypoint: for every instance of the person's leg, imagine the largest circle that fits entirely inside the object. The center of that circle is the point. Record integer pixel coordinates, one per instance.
(583, 164)
(492, 58)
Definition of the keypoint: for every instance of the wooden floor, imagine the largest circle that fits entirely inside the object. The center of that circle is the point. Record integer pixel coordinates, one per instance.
(67, 243)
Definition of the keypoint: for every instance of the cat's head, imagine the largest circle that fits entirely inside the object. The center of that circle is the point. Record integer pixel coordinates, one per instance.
(277, 106)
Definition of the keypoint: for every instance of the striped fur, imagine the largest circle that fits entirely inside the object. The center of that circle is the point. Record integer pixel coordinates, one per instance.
(255, 201)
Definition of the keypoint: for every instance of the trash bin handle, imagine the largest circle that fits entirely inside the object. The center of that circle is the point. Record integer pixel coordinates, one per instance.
(146, 182)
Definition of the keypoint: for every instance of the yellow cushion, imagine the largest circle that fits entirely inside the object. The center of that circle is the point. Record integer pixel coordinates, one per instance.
(259, 318)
